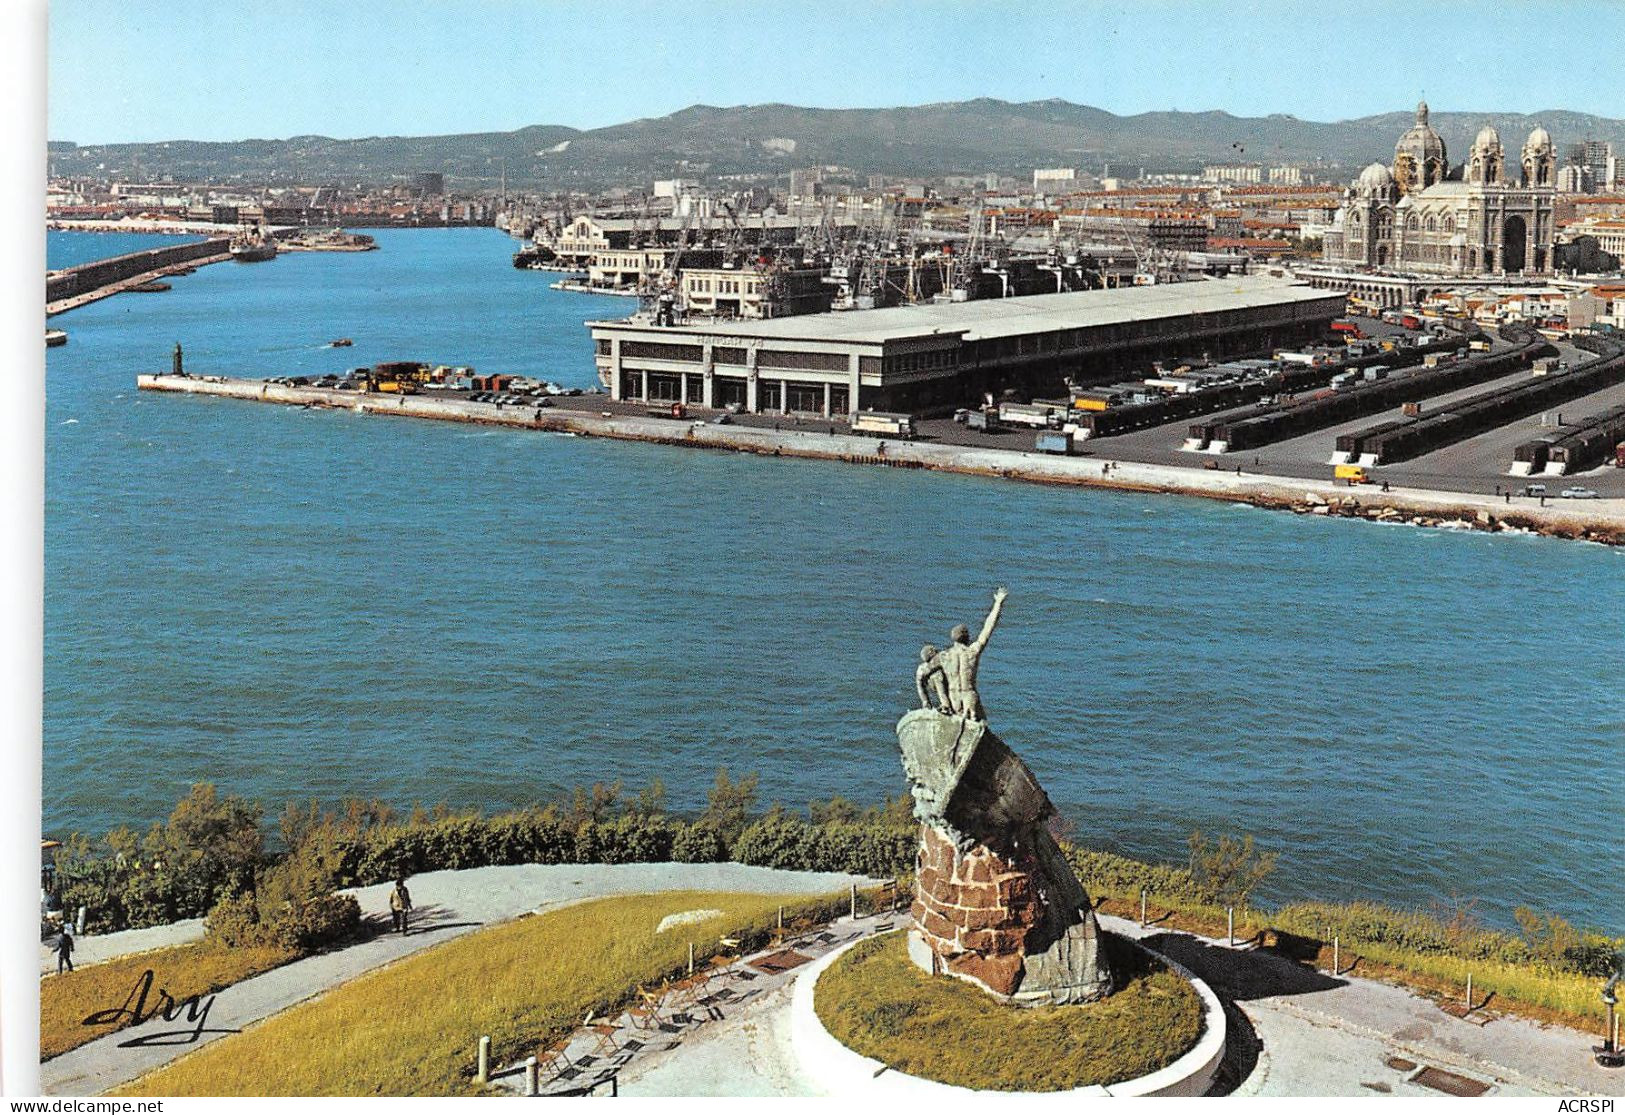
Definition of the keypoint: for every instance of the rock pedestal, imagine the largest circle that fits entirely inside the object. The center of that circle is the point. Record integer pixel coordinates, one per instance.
(995, 901)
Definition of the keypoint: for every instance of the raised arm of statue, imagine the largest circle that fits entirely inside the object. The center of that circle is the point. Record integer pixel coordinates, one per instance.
(991, 622)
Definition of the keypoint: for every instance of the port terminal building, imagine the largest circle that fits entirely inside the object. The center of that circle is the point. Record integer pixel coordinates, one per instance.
(932, 358)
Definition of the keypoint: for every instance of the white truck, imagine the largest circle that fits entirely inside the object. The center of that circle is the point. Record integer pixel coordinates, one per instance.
(880, 423)
(1038, 415)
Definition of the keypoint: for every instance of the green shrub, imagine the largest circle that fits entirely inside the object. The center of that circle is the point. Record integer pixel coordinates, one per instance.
(626, 839)
(235, 921)
(786, 841)
(301, 925)
(319, 922)
(1098, 870)
(698, 843)
(209, 847)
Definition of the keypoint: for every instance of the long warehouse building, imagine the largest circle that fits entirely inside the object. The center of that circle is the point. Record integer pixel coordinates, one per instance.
(931, 358)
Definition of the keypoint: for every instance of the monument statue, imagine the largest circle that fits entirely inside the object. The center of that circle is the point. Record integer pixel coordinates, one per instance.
(931, 682)
(995, 901)
(959, 661)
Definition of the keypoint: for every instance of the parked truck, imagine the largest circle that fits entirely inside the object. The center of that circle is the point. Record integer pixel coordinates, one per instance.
(1029, 414)
(1354, 474)
(1054, 441)
(879, 423)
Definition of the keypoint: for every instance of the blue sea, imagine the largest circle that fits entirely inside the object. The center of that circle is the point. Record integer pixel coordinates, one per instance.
(68, 249)
(296, 604)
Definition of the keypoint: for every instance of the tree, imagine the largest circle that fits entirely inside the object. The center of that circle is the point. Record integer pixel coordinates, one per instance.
(729, 805)
(650, 802)
(836, 809)
(218, 836)
(1226, 872)
(596, 805)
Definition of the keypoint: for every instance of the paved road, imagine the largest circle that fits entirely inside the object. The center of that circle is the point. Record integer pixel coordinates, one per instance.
(448, 904)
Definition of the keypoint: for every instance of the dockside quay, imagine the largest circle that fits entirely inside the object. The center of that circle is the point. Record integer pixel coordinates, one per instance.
(932, 358)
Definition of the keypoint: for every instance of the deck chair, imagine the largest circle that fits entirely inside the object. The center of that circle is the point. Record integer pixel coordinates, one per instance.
(551, 1059)
(644, 1014)
(603, 1035)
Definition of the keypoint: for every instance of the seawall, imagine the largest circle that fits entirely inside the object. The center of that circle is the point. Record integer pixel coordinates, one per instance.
(1601, 520)
(76, 286)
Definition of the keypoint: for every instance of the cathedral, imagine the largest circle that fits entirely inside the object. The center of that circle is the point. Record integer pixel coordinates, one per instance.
(1478, 219)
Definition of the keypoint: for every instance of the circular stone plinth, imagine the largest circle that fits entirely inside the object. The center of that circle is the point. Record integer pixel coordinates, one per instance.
(843, 1071)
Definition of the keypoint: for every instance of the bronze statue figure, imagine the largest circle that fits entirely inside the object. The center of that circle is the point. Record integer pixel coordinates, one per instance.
(996, 903)
(960, 659)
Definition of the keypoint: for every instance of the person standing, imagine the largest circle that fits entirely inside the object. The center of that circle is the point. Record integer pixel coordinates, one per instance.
(400, 904)
(64, 951)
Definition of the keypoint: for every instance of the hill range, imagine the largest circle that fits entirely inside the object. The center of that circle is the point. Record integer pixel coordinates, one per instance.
(963, 137)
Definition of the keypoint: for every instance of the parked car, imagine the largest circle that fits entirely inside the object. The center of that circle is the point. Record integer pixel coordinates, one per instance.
(1578, 493)
(722, 419)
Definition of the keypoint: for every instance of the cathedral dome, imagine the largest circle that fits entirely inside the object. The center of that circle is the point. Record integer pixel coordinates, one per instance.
(1419, 156)
(1484, 162)
(1539, 159)
(1375, 177)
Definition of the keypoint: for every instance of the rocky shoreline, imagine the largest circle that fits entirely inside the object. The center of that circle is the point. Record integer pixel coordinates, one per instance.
(1350, 507)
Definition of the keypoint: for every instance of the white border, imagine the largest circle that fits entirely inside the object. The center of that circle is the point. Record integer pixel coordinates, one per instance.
(22, 550)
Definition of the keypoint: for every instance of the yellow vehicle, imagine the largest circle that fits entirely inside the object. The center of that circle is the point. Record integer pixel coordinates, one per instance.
(1354, 474)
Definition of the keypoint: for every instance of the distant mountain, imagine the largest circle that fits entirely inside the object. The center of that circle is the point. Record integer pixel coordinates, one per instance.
(964, 137)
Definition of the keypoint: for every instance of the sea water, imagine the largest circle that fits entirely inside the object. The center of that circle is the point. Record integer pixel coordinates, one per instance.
(304, 603)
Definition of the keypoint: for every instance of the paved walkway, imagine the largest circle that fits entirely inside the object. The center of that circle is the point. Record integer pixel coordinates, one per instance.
(95, 948)
(1293, 1031)
(448, 904)
(729, 1036)
(1299, 1032)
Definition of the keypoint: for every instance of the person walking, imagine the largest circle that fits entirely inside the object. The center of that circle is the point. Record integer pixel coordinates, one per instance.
(400, 904)
(64, 951)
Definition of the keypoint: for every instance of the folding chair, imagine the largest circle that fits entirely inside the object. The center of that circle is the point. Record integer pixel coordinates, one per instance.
(603, 1036)
(645, 1013)
(552, 1058)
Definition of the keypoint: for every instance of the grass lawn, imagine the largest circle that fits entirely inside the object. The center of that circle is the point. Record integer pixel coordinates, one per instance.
(411, 1029)
(198, 968)
(878, 1003)
(1527, 990)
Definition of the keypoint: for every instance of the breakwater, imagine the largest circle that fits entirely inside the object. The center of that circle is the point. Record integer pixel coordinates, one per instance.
(76, 286)
(1600, 521)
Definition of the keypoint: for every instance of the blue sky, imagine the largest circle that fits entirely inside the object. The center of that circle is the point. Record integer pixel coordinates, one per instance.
(144, 70)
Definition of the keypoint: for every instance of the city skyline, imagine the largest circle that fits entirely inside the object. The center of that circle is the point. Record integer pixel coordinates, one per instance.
(492, 67)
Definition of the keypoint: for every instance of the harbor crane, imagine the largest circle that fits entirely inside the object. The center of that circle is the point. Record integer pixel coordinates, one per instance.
(657, 292)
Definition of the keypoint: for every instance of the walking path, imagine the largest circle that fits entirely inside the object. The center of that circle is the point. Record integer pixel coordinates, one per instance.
(1296, 1031)
(724, 1032)
(1293, 1032)
(448, 904)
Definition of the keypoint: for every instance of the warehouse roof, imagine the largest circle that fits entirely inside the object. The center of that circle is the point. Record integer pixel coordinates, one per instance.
(1007, 317)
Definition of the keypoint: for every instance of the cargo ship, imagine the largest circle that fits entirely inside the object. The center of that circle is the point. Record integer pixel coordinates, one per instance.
(253, 245)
